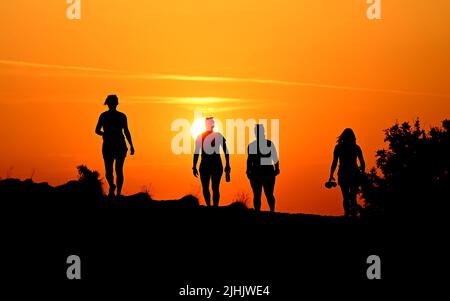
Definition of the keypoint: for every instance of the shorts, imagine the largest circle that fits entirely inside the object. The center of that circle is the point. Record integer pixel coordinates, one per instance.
(349, 177)
(114, 152)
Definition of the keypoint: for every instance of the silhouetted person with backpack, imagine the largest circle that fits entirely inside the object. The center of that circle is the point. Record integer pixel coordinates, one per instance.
(114, 125)
(208, 144)
(349, 175)
(262, 168)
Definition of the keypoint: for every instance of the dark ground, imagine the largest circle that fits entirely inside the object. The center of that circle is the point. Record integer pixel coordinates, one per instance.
(163, 246)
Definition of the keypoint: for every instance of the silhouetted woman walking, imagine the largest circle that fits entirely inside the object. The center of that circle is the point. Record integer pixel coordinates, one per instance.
(349, 175)
(208, 145)
(115, 125)
(262, 168)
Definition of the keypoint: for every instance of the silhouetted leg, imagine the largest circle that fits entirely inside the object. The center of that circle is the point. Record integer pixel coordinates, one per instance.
(346, 203)
(353, 192)
(109, 162)
(215, 187)
(257, 190)
(119, 174)
(205, 178)
(269, 186)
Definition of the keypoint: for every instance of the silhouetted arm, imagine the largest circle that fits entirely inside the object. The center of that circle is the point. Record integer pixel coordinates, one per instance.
(251, 159)
(227, 155)
(334, 164)
(362, 163)
(249, 162)
(128, 136)
(98, 128)
(198, 145)
(194, 163)
(275, 159)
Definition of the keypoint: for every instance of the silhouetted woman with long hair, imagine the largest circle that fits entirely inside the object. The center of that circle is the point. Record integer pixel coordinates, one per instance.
(346, 153)
(114, 125)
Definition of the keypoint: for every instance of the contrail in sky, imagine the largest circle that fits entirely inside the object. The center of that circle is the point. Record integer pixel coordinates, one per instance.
(102, 72)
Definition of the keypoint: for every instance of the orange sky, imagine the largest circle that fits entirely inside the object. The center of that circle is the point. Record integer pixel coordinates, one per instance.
(317, 66)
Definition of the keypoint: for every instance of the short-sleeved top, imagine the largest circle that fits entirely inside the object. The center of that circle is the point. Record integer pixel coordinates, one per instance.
(208, 144)
(113, 123)
(262, 157)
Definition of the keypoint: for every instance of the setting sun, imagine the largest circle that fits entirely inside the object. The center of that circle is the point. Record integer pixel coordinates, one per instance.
(199, 127)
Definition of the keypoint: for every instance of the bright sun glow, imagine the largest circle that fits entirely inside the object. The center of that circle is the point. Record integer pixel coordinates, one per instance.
(198, 127)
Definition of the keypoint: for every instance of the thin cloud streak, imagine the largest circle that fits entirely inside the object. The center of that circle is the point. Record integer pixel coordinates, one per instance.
(288, 83)
(59, 67)
(221, 109)
(142, 76)
(184, 100)
(203, 104)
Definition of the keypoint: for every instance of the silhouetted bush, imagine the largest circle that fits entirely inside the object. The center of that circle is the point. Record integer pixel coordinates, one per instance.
(83, 192)
(414, 169)
(147, 189)
(241, 200)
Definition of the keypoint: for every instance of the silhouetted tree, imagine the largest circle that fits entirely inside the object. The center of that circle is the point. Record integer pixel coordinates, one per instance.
(414, 167)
